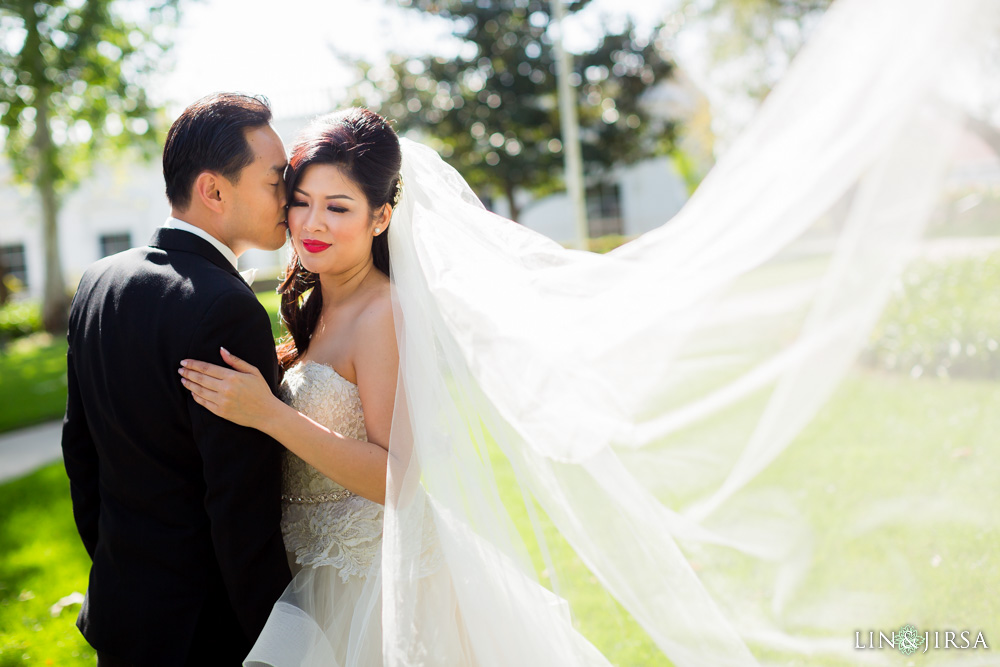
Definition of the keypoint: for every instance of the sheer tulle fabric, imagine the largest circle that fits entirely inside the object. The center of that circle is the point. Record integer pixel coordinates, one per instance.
(323, 620)
(639, 401)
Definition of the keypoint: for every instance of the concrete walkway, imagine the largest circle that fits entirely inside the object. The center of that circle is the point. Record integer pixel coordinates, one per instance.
(29, 448)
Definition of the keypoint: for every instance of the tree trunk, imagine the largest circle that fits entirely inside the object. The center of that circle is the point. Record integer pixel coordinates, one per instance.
(55, 300)
(508, 189)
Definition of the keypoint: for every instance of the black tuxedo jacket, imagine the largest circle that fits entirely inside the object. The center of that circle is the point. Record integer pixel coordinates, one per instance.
(178, 508)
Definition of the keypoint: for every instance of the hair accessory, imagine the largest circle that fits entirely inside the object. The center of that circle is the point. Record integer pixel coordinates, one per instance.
(399, 192)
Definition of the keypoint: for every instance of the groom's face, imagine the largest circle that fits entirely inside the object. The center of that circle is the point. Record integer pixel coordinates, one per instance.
(257, 212)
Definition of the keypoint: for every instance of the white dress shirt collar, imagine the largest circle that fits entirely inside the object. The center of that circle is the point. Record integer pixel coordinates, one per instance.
(174, 223)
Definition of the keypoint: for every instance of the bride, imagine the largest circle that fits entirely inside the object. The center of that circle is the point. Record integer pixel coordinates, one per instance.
(335, 413)
(479, 419)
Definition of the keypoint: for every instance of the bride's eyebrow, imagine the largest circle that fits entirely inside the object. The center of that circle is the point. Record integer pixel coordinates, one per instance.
(306, 194)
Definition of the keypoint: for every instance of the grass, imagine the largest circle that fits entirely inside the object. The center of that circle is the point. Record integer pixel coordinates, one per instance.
(33, 385)
(919, 439)
(946, 566)
(942, 320)
(880, 433)
(596, 614)
(43, 561)
(885, 435)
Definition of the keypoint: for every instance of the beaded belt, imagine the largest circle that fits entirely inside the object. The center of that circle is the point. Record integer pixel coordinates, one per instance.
(331, 497)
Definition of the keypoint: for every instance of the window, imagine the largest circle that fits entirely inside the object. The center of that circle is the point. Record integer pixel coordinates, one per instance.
(13, 262)
(115, 243)
(604, 213)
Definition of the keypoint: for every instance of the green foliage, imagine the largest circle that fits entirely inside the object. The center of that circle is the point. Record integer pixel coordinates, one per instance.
(688, 169)
(943, 319)
(271, 301)
(493, 111)
(74, 77)
(42, 562)
(17, 319)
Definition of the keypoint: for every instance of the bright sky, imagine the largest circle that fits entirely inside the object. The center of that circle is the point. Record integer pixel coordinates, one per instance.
(288, 53)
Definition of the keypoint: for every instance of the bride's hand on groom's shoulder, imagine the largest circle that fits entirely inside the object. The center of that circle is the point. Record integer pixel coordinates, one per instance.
(239, 394)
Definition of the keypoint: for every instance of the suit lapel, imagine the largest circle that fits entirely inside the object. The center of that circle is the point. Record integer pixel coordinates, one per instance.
(178, 239)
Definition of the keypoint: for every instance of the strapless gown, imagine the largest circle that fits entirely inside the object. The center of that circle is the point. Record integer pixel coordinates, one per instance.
(330, 614)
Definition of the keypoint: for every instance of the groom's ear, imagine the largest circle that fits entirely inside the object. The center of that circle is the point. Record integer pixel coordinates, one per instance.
(207, 190)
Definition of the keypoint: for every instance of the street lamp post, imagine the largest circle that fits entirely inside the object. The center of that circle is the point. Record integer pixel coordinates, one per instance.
(572, 161)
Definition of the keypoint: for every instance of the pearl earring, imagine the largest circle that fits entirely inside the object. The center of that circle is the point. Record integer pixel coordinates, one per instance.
(377, 231)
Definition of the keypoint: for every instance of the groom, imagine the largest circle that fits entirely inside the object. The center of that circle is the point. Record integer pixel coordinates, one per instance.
(179, 509)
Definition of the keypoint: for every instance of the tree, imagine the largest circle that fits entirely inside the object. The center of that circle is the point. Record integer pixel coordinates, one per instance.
(493, 112)
(73, 75)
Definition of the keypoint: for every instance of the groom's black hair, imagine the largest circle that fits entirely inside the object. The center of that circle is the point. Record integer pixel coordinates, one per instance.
(210, 135)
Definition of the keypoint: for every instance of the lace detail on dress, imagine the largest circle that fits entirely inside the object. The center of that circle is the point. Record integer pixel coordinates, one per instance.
(321, 524)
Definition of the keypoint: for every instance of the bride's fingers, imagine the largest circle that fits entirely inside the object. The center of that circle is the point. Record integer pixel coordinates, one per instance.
(206, 368)
(236, 362)
(198, 392)
(204, 402)
(201, 379)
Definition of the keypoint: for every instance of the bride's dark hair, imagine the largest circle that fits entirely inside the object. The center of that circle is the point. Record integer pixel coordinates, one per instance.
(361, 143)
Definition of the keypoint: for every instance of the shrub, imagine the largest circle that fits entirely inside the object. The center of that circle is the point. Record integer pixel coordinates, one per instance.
(19, 318)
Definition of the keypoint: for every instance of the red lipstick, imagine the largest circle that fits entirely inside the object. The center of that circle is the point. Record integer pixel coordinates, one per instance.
(315, 246)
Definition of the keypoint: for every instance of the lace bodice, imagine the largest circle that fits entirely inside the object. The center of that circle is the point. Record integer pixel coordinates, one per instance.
(321, 522)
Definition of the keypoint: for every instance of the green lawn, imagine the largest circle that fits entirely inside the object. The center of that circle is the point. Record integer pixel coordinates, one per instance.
(918, 442)
(948, 443)
(945, 566)
(33, 385)
(43, 561)
(915, 438)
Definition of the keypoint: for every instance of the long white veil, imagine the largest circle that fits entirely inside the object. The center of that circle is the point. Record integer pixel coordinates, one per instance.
(682, 424)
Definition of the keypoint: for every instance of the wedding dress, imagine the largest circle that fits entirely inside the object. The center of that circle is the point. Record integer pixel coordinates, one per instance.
(333, 539)
(330, 614)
